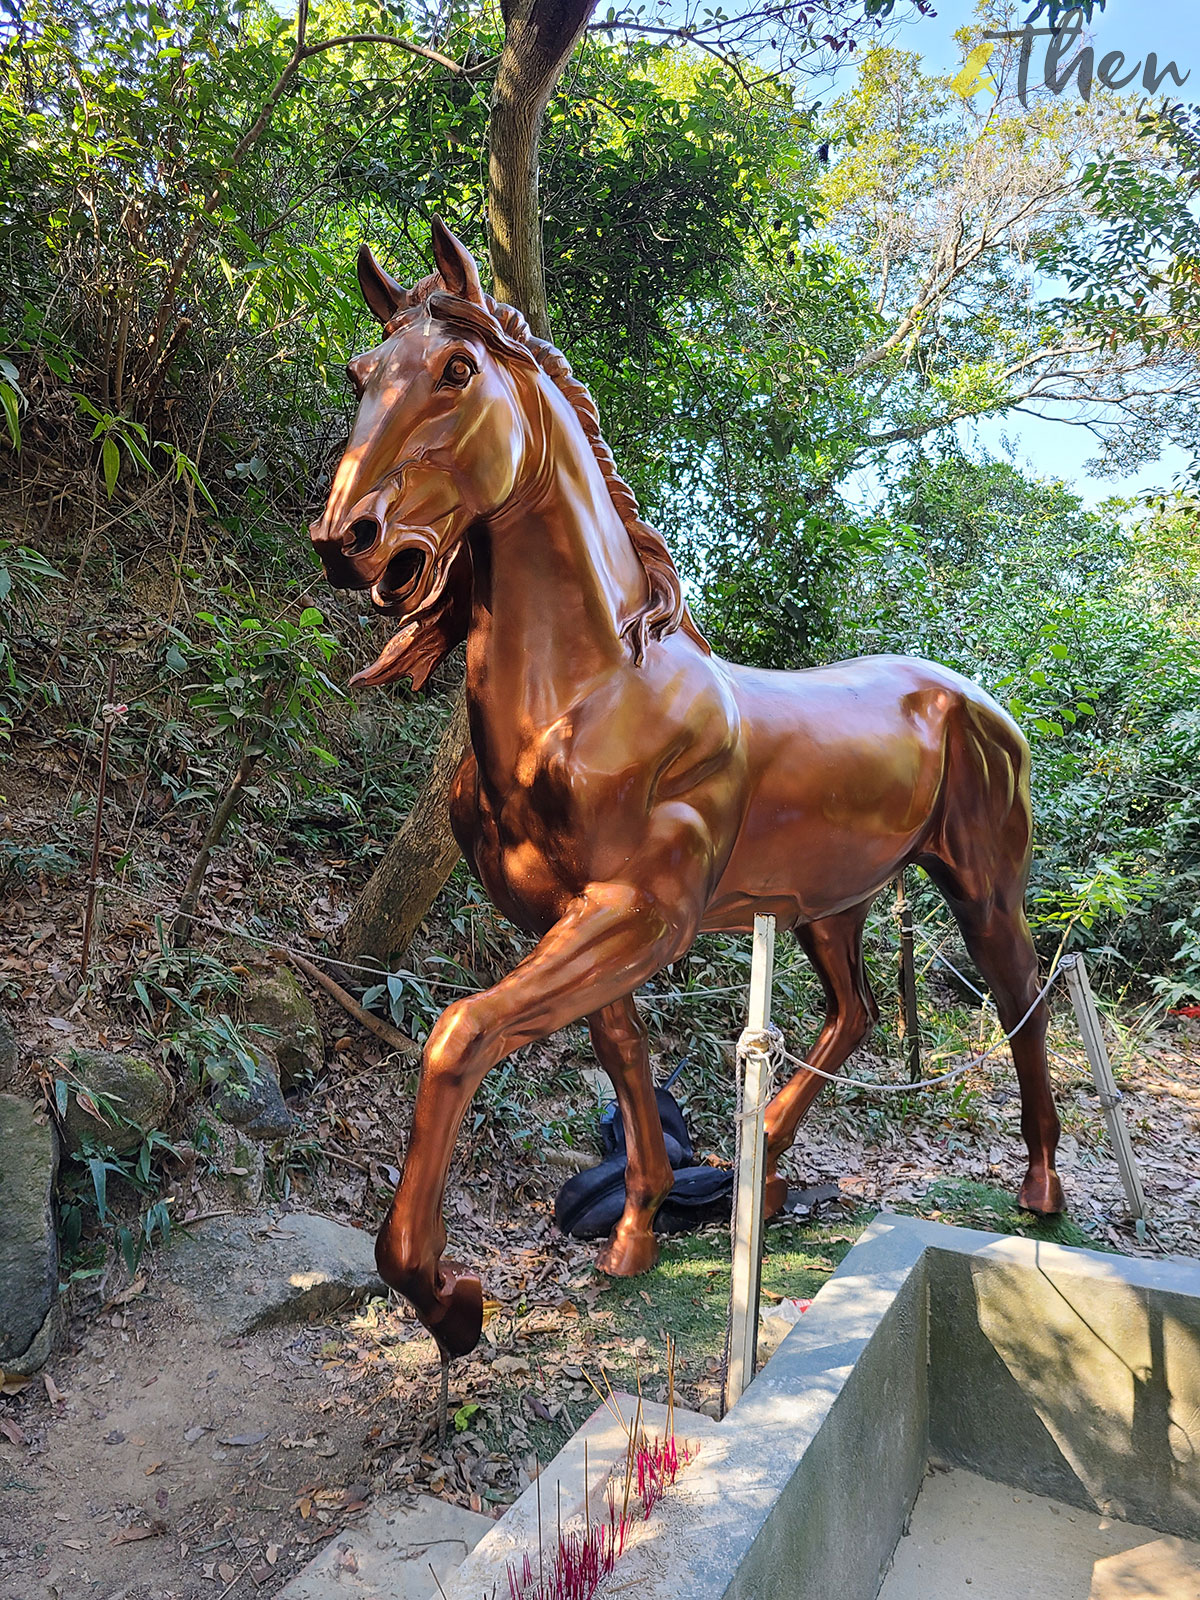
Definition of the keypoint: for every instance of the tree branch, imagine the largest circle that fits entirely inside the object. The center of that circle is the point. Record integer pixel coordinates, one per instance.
(301, 53)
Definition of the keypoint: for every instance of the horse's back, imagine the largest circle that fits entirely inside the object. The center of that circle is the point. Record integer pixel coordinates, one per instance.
(866, 688)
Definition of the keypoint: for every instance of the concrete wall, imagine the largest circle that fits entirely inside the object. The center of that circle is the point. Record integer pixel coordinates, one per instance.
(834, 1525)
(1070, 1374)
(800, 1493)
(1060, 1371)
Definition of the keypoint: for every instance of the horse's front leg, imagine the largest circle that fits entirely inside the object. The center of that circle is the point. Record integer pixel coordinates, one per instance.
(619, 1040)
(611, 938)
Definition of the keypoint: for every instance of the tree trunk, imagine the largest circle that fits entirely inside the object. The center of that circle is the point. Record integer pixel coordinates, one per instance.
(538, 39)
(539, 36)
(415, 865)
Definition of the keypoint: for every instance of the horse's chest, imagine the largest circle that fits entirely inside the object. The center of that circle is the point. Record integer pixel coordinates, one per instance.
(525, 850)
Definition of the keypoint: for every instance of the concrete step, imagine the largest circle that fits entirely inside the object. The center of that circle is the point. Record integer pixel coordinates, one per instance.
(387, 1556)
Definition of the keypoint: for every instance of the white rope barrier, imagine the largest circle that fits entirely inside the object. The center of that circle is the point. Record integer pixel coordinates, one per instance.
(776, 1050)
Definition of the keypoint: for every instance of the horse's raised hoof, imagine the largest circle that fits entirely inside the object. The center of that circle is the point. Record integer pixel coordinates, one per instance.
(775, 1198)
(1042, 1193)
(628, 1255)
(458, 1320)
(447, 1300)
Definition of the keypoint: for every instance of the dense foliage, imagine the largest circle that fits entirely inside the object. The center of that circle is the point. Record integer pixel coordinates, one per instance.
(785, 348)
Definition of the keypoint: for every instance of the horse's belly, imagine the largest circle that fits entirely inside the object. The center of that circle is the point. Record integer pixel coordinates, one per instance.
(819, 838)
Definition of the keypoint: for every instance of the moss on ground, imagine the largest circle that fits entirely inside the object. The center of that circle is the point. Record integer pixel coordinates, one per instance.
(622, 1336)
(965, 1203)
(688, 1295)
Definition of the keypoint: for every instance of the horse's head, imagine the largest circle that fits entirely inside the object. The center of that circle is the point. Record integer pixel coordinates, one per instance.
(438, 443)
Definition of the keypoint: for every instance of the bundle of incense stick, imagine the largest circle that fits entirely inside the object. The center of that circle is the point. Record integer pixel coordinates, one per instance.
(584, 1557)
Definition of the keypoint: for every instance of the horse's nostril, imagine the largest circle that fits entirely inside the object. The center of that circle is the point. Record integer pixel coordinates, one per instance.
(362, 535)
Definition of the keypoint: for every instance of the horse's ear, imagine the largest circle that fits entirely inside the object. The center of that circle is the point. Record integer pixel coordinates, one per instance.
(380, 290)
(456, 264)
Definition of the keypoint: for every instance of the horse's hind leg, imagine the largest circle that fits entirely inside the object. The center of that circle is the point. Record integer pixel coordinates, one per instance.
(619, 1040)
(834, 946)
(986, 893)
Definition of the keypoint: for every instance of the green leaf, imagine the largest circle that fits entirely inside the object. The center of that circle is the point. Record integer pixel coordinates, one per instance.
(111, 459)
(70, 1227)
(462, 1417)
(100, 1184)
(138, 454)
(130, 1248)
(8, 400)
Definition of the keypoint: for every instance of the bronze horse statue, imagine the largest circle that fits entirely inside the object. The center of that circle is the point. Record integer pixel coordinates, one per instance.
(625, 789)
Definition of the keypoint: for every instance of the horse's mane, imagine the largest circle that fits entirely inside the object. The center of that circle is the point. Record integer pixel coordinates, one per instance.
(506, 332)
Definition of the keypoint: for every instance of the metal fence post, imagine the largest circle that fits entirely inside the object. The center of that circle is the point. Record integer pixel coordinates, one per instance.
(1106, 1086)
(752, 1171)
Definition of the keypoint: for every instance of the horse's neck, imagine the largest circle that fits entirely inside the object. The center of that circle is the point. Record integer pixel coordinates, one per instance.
(563, 579)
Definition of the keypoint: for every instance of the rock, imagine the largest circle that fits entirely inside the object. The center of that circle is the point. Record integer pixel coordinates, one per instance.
(8, 1052)
(28, 1243)
(138, 1095)
(256, 1272)
(238, 1164)
(276, 1001)
(250, 1098)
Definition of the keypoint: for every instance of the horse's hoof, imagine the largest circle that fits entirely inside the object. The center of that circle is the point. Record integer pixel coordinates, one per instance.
(775, 1198)
(458, 1322)
(628, 1255)
(1042, 1193)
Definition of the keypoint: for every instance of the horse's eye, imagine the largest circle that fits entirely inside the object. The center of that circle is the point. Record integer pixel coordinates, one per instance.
(459, 371)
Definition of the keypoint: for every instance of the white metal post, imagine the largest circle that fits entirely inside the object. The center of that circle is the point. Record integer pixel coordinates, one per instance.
(752, 1169)
(1106, 1085)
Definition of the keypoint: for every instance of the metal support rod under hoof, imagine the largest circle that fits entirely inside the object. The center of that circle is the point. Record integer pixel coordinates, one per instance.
(443, 1396)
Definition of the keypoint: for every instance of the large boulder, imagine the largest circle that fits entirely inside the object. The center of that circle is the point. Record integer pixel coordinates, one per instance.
(274, 1000)
(28, 1243)
(138, 1096)
(248, 1096)
(8, 1052)
(253, 1272)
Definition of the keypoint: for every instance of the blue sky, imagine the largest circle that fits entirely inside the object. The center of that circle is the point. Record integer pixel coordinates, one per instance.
(1171, 28)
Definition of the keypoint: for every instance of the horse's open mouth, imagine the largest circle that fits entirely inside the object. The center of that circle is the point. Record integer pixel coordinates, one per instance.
(400, 578)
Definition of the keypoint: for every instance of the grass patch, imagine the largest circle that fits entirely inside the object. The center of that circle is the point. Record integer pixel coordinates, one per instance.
(688, 1297)
(966, 1203)
(622, 1326)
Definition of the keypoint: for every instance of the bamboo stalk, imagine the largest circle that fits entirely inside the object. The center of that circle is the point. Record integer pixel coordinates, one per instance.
(910, 1020)
(181, 926)
(96, 832)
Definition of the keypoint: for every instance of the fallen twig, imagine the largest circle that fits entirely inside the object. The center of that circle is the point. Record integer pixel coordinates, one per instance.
(399, 1042)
